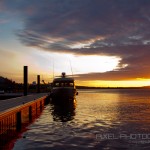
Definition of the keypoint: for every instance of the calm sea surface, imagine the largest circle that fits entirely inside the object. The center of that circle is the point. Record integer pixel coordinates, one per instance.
(98, 119)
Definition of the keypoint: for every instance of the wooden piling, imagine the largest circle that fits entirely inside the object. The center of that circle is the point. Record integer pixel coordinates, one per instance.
(38, 83)
(25, 80)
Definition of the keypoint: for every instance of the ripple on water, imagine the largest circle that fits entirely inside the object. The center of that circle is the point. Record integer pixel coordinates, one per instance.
(95, 114)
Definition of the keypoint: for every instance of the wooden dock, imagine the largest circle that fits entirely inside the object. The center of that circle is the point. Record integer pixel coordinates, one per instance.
(17, 113)
(10, 95)
(19, 101)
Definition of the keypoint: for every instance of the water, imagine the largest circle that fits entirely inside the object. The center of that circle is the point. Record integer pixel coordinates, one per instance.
(98, 119)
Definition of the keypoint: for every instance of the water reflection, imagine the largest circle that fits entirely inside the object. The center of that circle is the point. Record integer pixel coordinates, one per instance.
(63, 111)
(99, 119)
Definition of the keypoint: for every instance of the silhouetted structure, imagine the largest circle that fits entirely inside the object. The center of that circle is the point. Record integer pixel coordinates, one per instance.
(38, 83)
(25, 80)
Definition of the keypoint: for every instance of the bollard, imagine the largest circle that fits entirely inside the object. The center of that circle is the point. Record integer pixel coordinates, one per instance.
(18, 121)
(30, 113)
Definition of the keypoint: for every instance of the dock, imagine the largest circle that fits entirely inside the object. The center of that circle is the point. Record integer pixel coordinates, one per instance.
(17, 113)
(10, 95)
(19, 110)
(19, 101)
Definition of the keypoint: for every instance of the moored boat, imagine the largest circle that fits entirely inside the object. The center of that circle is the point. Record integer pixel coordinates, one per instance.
(63, 88)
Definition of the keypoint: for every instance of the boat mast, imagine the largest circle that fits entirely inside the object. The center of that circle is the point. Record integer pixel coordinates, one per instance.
(53, 69)
(71, 69)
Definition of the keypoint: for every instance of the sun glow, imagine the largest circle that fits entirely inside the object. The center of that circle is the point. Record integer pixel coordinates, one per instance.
(42, 63)
(91, 64)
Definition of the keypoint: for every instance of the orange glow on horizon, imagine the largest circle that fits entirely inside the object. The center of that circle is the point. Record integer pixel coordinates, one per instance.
(90, 83)
(127, 83)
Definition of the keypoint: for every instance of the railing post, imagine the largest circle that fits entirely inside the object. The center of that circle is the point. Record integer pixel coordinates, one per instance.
(18, 121)
(30, 113)
(46, 100)
(40, 105)
(25, 80)
(36, 109)
(1, 129)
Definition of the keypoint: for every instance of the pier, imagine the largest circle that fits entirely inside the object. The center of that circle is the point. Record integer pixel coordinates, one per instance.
(17, 113)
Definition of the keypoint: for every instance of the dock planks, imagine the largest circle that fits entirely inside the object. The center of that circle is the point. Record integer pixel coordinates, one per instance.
(19, 101)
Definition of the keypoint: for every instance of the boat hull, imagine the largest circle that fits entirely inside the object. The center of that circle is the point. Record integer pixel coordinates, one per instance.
(63, 94)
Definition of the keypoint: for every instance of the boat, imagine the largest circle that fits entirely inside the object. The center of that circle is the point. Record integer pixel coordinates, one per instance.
(63, 88)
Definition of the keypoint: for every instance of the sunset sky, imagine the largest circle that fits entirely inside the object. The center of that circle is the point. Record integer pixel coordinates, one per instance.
(107, 42)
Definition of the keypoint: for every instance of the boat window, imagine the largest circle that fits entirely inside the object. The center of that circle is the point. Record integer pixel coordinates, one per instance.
(63, 84)
(66, 84)
(71, 84)
(56, 84)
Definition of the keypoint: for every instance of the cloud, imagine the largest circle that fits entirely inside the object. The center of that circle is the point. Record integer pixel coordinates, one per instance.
(73, 21)
(90, 27)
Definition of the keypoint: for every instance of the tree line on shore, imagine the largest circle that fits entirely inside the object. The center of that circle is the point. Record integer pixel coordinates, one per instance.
(10, 86)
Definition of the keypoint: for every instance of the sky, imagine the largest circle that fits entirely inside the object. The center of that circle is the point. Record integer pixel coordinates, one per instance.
(103, 42)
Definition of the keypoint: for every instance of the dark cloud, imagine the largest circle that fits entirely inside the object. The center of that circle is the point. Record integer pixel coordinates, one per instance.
(75, 21)
(103, 27)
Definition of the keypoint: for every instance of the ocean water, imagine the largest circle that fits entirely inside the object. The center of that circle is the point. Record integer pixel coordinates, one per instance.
(107, 119)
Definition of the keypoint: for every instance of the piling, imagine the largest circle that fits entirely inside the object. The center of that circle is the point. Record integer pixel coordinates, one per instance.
(38, 83)
(25, 80)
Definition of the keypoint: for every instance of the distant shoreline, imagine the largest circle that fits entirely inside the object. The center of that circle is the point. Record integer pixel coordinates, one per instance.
(86, 87)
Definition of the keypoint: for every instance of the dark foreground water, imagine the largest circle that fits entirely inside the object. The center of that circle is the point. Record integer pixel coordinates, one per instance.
(98, 119)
